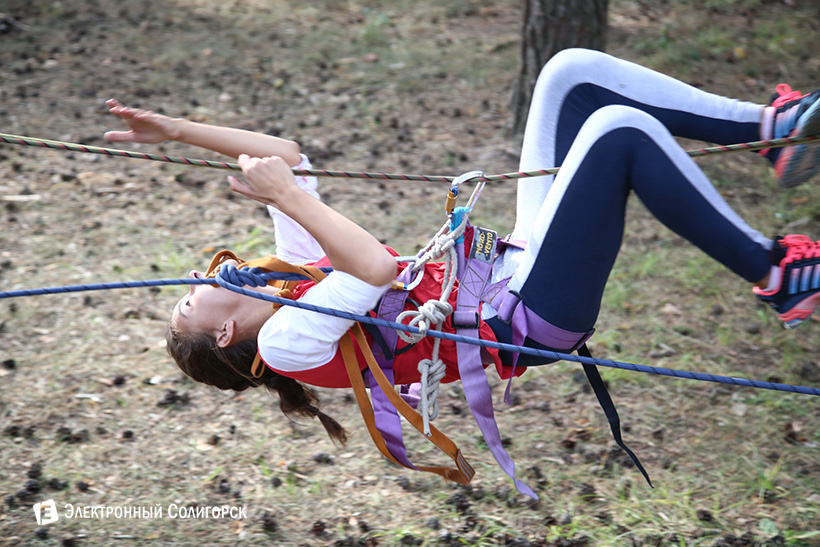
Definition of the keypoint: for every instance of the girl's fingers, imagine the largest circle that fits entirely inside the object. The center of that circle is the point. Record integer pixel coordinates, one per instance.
(123, 111)
(239, 186)
(118, 136)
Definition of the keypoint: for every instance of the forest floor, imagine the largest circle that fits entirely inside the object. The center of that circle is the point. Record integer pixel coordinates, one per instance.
(94, 415)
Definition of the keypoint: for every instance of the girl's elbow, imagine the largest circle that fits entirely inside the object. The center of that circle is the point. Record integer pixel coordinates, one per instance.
(294, 152)
(384, 270)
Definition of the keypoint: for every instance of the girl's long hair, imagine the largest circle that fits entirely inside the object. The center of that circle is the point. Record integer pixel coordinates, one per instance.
(202, 360)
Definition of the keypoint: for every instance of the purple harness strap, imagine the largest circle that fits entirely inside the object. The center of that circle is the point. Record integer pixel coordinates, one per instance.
(385, 414)
(466, 320)
(527, 324)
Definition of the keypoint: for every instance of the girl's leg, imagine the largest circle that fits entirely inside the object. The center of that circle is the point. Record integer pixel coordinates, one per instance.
(576, 82)
(578, 230)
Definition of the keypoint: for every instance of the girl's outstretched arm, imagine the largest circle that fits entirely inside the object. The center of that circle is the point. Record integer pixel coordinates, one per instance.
(151, 127)
(349, 247)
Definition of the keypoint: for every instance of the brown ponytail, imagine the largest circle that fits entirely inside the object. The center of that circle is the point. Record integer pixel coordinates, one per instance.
(198, 356)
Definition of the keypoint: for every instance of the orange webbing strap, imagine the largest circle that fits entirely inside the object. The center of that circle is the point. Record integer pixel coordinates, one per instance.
(269, 264)
(462, 473)
(273, 264)
(217, 261)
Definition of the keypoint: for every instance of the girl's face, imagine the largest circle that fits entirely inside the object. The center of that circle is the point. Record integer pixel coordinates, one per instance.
(205, 308)
(228, 316)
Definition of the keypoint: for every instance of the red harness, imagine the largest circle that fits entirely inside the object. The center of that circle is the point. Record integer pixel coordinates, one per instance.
(405, 366)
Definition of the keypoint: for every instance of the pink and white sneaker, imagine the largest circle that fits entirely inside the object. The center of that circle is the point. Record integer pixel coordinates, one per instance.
(796, 115)
(797, 295)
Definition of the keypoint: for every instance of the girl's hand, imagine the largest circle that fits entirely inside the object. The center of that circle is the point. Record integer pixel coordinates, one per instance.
(349, 247)
(146, 126)
(267, 180)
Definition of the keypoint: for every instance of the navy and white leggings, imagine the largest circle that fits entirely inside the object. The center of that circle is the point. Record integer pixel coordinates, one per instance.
(609, 124)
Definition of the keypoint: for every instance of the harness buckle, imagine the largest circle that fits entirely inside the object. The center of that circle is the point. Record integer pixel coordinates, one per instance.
(466, 319)
(509, 302)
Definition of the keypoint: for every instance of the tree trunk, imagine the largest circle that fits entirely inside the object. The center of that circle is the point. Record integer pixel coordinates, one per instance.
(548, 27)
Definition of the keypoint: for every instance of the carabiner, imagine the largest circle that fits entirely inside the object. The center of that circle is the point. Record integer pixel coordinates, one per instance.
(401, 285)
(452, 194)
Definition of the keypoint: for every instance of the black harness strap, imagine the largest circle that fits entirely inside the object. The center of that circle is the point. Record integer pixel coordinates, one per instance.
(608, 406)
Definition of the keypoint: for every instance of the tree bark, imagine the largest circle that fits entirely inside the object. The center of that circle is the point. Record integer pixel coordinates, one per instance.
(548, 27)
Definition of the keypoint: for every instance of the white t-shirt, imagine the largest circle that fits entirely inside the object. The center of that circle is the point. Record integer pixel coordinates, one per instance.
(297, 339)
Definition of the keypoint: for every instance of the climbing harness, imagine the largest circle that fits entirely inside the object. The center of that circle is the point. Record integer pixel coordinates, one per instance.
(474, 270)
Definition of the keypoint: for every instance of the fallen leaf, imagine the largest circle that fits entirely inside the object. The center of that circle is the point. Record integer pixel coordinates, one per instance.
(203, 445)
(669, 309)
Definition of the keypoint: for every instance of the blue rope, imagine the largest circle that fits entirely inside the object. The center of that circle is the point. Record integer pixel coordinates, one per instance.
(147, 283)
(232, 276)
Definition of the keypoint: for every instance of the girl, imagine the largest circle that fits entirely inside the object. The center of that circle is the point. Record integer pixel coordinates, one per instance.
(608, 123)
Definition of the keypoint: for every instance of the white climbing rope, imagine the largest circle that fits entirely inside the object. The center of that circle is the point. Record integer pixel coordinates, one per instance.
(431, 315)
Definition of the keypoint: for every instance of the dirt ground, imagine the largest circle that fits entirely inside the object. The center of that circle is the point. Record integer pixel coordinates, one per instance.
(94, 414)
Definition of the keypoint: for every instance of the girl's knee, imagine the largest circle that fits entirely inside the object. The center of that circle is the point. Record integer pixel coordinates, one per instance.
(571, 65)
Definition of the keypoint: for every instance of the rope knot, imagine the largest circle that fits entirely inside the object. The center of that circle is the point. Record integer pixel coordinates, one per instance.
(242, 276)
(430, 314)
(434, 312)
(432, 372)
(441, 245)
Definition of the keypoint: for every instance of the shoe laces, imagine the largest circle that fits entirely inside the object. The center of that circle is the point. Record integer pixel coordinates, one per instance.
(800, 247)
(786, 95)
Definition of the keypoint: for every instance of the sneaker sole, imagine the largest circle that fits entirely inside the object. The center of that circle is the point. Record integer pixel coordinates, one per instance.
(795, 316)
(794, 172)
(802, 163)
(810, 121)
(794, 323)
